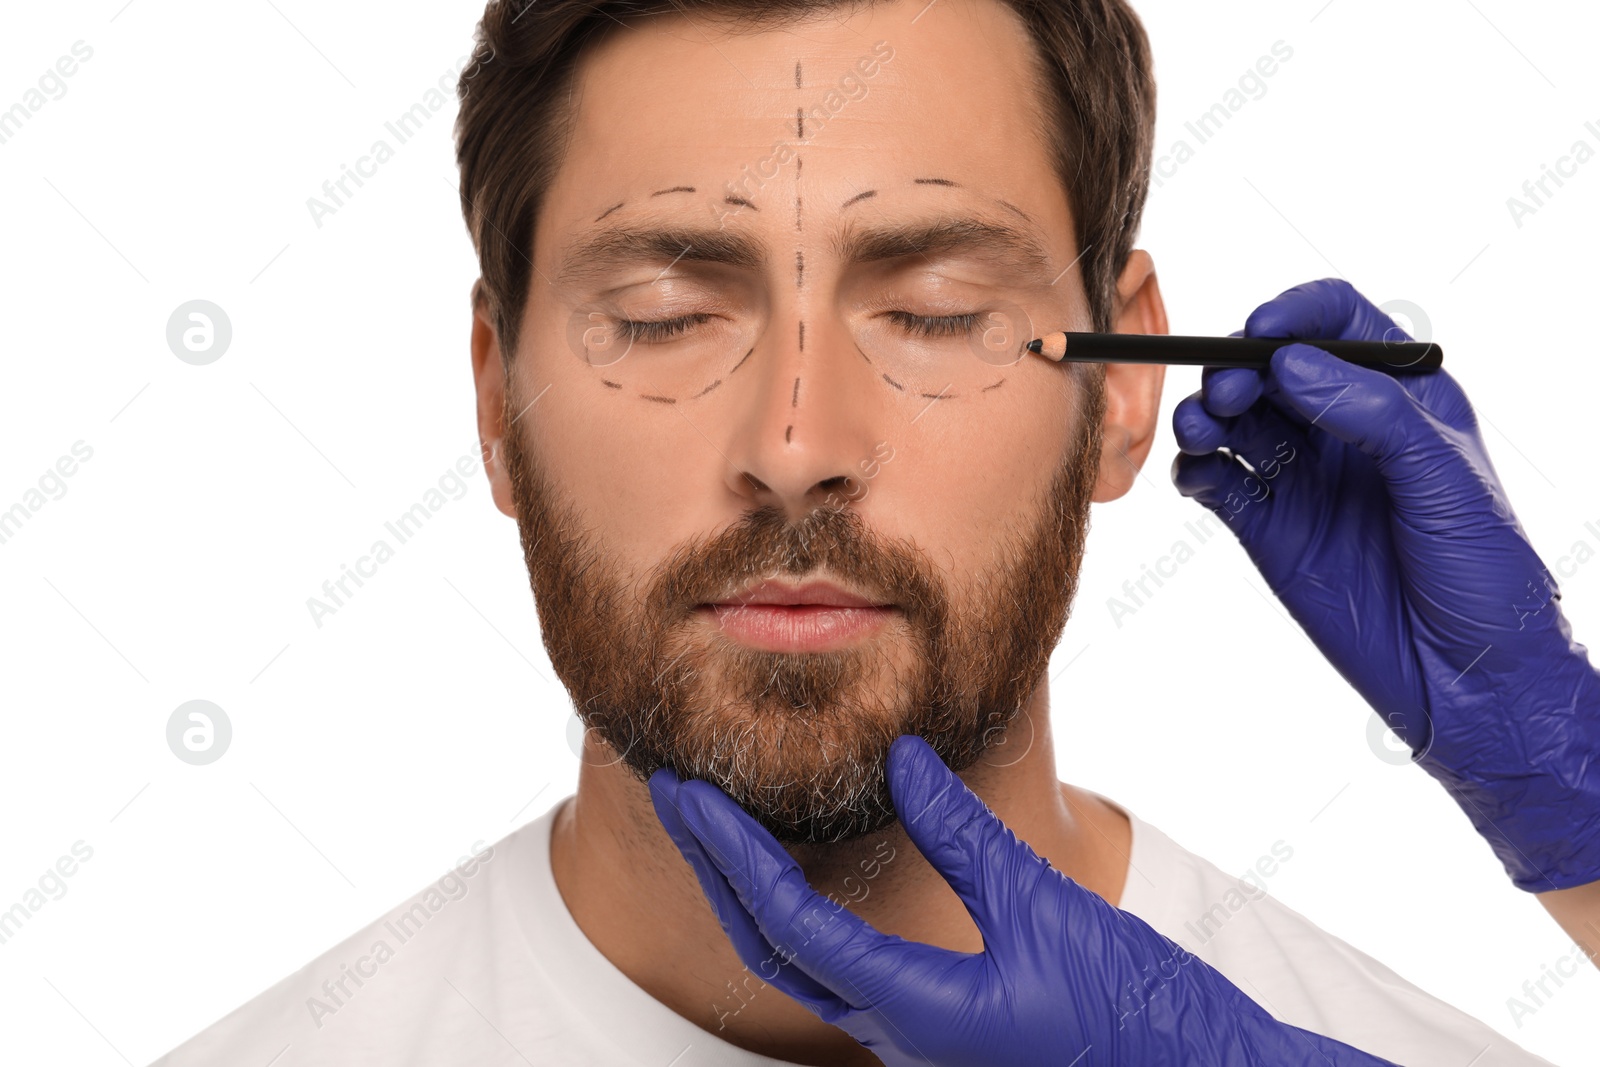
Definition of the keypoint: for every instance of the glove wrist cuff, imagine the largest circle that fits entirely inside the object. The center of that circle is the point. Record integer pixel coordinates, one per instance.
(1542, 817)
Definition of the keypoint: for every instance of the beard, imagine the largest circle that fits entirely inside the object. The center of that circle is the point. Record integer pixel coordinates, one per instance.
(800, 740)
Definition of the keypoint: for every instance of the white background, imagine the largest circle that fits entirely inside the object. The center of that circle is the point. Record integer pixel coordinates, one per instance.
(370, 753)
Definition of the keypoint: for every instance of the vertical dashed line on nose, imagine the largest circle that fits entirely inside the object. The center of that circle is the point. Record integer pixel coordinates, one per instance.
(799, 226)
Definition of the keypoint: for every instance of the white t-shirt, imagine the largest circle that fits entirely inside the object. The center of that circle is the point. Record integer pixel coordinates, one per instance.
(488, 968)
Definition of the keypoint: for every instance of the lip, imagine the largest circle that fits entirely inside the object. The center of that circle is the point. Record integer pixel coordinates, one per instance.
(814, 593)
(815, 616)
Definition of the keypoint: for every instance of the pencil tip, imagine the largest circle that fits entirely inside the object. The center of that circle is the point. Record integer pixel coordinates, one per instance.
(1036, 346)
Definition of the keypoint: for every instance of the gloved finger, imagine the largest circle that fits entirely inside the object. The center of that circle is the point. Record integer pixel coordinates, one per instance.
(1378, 415)
(1198, 431)
(990, 869)
(1334, 309)
(1263, 435)
(1222, 484)
(1328, 310)
(1227, 391)
(753, 948)
(1256, 428)
(823, 938)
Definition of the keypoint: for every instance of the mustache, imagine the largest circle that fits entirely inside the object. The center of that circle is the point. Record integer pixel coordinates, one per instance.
(764, 544)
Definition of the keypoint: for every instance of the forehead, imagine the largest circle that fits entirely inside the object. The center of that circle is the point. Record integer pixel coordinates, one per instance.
(905, 100)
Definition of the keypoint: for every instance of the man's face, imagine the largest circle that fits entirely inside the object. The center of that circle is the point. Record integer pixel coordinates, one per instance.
(800, 425)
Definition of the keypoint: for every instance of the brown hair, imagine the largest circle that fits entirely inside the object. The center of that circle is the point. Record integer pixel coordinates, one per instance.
(514, 121)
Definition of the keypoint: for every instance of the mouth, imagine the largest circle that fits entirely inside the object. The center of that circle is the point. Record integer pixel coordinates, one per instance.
(814, 616)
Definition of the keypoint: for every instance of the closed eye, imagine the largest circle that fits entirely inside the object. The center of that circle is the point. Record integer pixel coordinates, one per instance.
(935, 325)
(654, 332)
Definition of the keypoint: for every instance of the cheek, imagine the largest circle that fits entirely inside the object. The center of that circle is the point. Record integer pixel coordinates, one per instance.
(640, 477)
(972, 477)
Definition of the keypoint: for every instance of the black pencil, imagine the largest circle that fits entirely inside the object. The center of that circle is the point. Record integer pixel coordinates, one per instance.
(1397, 357)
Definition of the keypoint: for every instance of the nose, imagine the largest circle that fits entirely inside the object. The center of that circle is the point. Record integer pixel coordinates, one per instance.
(807, 421)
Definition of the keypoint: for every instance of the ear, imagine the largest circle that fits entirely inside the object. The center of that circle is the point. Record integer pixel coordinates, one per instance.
(1133, 390)
(489, 379)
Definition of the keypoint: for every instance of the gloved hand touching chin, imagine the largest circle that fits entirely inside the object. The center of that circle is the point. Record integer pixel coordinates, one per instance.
(1064, 978)
(1376, 517)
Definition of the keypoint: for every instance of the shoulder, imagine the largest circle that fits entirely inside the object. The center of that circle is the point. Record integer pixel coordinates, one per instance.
(1300, 973)
(429, 970)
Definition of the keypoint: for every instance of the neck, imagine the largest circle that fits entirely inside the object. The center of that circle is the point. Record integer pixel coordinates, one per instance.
(633, 895)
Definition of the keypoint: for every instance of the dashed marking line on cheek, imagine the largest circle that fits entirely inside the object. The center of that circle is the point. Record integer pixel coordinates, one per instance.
(787, 434)
(609, 384)
(794, 401)
(739, 364)
(712, 386)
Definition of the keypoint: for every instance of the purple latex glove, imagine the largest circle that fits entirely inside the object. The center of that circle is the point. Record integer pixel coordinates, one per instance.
(1064, 978)
(1377, 518)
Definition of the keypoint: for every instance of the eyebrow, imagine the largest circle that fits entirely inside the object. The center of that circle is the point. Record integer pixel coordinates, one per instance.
(667, 244)
(1015, 249)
